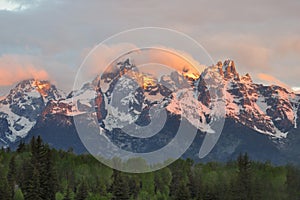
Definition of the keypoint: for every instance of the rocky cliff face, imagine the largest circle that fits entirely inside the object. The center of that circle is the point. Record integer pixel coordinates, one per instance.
(23, 105)
(126, 96)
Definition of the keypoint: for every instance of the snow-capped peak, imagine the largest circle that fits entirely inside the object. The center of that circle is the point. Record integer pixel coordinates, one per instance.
(20, 109)
(270, 110)
(33, 88)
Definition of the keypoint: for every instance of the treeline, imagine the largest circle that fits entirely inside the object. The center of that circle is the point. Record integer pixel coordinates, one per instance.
(37, 172)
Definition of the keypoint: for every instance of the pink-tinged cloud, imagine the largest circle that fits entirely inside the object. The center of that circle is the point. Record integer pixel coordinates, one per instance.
(289, 45)
(98, 60)
(176, 59)
(271, 80)
(15, 68)
(247, 50)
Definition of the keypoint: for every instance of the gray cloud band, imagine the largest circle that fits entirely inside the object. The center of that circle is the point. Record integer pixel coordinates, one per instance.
(107, 128)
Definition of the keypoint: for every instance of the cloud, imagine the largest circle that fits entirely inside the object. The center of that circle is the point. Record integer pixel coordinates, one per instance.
(248, 51)
(18, 5)
(253, 55)
(249, 32)
(15, 68)
(289, 45)
(98, 59)
(296, 89)
(178, 60)
(271, 80)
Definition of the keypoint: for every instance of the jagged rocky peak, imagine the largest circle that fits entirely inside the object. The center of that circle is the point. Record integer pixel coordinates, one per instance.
(247, 78)
(23, 105)
(96, 81)
(220, 67)
(226, 70)
(33, 88)
(125, 66)
(230, 70)
(27, 86)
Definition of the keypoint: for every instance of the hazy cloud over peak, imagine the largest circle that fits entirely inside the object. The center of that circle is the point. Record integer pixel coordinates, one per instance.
(262, 36)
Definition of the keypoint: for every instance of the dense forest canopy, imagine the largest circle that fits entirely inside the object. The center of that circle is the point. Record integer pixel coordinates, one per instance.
(36, 172)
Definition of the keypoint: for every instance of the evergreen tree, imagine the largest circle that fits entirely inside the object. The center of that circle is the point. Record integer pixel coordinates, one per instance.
(32, 145)
(134, 185)
(120, 188)
(5, 193)
(195, 184)
(82, 192)
(68, 194)
(31, 186)
(293, 182)
(183, 192)
(11, 176)
(18, 195)
(180, 171)
(162, 181)
(244, 178)
(208, 195)
(40, 174)
(32, 189)
(21, 147)
(147, 183)
(48, 180)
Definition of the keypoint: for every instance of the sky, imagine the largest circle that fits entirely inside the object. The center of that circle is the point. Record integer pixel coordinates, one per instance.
(50, 39)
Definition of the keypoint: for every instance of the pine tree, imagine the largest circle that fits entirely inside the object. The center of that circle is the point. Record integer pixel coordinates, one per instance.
(21, 147)
(120, 188)
(180, 171)
(195, 184)
(5, 193)
(244, 178)
(208, 195)
(11, 176)
(32, 189)
(31, 185)
(183, 192)
(68, 194)
(162, 181)
(48, 180)
(134, 185)
(293, 182)
(82, 193)
(40, 174)
(32, 145)
(18, 195)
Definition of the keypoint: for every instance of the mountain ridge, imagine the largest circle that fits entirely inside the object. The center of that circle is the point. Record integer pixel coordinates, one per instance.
(272, 111)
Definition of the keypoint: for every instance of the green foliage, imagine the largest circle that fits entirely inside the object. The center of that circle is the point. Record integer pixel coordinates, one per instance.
(18, 195)
(182, 192)
(68, 194)
(11, 176)
(180, 178)
(293, 182)
(120, 187)
(36, 172)
(59, 196)
(5, 192)
(82, 193)
(162, 181)
(40, 177)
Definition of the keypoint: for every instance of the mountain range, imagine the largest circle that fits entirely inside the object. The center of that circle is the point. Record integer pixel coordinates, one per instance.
(261, 120)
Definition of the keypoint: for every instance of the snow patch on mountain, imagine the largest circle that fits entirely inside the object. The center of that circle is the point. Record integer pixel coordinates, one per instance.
(125, 96)
(18, 125)
(20, 109)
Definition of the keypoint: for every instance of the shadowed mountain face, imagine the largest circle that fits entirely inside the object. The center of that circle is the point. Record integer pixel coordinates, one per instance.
(262, 120)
